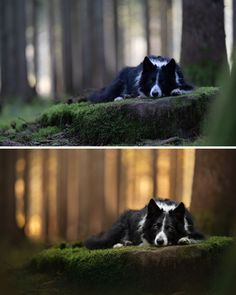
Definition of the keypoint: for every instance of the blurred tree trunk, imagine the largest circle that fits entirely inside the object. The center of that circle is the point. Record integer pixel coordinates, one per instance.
(119, 35)
(91, 192)
(53, 47)
(26, 154)
(110, 27)
(154, 171)
(213, 195)
(203, 41)
(66, 12)
(155, 27)
(35, 24)
(221, 125)
(1, 44)
(146, 4)
(45, 195)
(8, 227)
(76, 47)
(13, 57)
(97, 43)
(234, 24)
(62, 196)
(165, 12)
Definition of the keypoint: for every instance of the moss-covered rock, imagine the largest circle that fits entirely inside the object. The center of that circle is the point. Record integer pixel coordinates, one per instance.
(170, 120)
(134, 120)
(164, 270)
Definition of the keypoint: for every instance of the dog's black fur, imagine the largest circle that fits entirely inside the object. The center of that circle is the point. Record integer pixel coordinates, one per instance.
(156, 76)
(160, 223)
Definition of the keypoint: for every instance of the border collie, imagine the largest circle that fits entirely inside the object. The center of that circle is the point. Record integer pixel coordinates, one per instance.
(160, 223)
(156, 76)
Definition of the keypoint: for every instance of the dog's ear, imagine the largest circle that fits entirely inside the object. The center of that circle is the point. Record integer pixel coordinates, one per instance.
(179, 211)
(147, 64)
(153, 209)
(171, 66)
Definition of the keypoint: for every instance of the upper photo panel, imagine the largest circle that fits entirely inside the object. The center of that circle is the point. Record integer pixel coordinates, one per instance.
(117, 73)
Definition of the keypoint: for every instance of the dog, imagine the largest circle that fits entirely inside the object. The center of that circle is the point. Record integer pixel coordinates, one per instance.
(160, 223)
(155, 77)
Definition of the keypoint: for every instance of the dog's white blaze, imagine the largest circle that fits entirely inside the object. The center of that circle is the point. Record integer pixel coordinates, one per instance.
(156, 88)
(158, 62)
(162, 234)
(166, 207)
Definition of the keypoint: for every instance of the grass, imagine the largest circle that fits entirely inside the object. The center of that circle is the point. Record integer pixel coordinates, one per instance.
(15, 112)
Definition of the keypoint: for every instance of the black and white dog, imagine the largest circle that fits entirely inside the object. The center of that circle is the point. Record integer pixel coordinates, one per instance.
(156, 76)
(160, 223)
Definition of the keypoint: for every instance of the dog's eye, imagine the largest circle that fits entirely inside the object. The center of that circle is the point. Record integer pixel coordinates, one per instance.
(153, 80)
(169, 228)
(158, 225)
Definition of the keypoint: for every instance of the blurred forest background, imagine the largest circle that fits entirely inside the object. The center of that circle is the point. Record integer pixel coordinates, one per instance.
(52, 195)
(57, 47)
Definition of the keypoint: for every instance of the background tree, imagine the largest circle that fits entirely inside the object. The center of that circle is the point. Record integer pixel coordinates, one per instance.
(213, 198)
(234, 25)
(221, 125)
(203, 40)
(14, 75)
(8, 226)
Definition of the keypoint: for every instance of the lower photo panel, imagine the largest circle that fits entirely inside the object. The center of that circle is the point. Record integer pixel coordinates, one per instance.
(123, 221)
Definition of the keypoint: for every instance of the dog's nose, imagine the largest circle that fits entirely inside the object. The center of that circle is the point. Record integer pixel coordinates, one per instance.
(160, 242)
(155, 94)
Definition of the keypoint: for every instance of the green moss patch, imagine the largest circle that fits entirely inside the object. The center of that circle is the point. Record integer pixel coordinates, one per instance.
(174, 268)
(128, 122)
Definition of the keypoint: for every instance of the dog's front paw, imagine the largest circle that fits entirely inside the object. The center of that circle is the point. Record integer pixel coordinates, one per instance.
(186, 241)
(118, 98)
(118, 245)
(176, 92)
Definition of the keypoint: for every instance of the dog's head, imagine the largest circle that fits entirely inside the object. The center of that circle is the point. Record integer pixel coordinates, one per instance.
(158, 81)
(164, 227)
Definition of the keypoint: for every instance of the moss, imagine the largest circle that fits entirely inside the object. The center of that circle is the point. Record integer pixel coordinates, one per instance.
(132, 120)
(128, 122)
(46, 132)
(142, 268)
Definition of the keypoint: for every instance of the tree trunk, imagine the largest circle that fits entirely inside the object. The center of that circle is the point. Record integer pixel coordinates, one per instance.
(53, 45)
(213, 198)
(13, 57)
(66, 11)
(97, 43)
(35, 24)
(76, 47)
(8, 227)
(203, 41)
(45, 195)
(146, 5)
(166, 27)
(62, 196)
(234, 24)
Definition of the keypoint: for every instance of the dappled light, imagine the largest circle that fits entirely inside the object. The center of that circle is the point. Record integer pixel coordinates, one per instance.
(57, 192)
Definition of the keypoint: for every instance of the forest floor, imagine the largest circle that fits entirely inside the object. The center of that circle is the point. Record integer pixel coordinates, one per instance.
(72, 269)
(142, 122)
